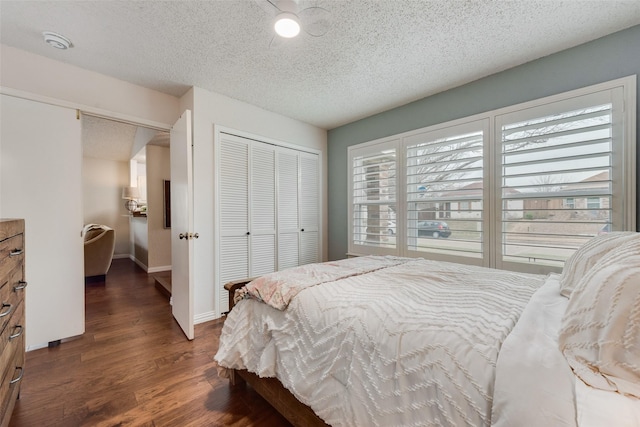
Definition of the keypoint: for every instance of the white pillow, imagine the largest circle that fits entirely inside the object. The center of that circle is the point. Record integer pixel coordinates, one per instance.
(597, 408)
(578, 264)
(600, 333)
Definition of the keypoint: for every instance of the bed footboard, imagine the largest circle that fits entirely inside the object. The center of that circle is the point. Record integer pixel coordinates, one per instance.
(232, 287)
(272, 390)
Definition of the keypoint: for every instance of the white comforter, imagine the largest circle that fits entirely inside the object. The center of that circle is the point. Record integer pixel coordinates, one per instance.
(414, 344)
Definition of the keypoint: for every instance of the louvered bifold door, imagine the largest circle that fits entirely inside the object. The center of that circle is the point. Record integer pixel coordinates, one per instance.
(234, 213)
(262, 209)
(309, 208)
(288, 225)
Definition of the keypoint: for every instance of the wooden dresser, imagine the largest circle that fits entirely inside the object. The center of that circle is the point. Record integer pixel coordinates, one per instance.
(12, 290)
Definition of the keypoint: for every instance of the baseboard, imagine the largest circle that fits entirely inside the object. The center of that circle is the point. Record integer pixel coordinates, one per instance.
(36, 346)
(159, 269)
(121, 256)
(205, 317)
(140, 264)
(48, 344)
(92, 280)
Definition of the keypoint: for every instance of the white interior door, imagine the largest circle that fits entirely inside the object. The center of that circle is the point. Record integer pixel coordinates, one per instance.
(41, 181)
(182, 235)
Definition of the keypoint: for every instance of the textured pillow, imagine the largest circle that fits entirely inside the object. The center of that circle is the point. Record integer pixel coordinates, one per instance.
(600, 333)
(587, 255)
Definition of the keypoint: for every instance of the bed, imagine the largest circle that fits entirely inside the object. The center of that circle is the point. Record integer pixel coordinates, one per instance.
(391, 341)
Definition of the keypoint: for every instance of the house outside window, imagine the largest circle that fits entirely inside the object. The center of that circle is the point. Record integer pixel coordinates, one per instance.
(593, 203)
(569, 203)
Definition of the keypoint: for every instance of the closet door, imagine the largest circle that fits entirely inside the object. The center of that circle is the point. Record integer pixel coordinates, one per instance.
(288, 224)
(234, 212)
(269, 204)
(262, 209)
(309, 208)
(247, 210)
(298, 208)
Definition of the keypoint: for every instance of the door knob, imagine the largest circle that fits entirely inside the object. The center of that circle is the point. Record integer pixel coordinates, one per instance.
(188, 236)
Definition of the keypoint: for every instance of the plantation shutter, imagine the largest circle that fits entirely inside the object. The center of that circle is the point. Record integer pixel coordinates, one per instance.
(446, 190)
(558, 181)
(374, 204)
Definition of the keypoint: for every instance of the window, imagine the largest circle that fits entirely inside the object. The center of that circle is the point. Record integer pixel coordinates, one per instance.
(445, 168)
(593, 203)
(556, 165)
(553, 173)
(373, 195)
(569, 203)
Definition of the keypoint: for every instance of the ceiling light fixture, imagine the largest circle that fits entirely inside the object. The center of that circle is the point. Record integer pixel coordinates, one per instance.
(287, 25)
(56, 40)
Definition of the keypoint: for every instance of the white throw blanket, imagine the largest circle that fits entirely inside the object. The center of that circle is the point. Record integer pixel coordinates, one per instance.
(410, 345)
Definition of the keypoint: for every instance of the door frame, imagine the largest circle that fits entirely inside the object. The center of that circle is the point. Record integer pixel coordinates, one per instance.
(83, 109)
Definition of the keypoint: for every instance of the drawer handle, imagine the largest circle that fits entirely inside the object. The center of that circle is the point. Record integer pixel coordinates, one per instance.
(6, 312)
(19, 376)
(20, 329)
(16, 252)
(21, 285)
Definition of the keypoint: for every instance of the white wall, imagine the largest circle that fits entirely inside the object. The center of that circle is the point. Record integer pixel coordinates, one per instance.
(211, 109)
(143, 136)
(140, 241)
(24, 71)
(158, 170)
(102, 182)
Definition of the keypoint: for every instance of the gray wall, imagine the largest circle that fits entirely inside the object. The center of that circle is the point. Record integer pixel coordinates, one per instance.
(608, 58)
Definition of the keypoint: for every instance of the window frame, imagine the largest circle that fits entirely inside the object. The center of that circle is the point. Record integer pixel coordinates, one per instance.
(625, 162)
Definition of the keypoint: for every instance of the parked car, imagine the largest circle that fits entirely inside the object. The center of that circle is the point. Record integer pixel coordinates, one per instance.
(433, 229)
(392, 228)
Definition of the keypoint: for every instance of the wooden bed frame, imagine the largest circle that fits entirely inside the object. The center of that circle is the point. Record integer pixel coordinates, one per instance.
(272, 390)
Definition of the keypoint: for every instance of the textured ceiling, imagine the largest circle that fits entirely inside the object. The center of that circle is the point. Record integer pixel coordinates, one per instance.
(111, 140)
(106, 139)
(377, 54)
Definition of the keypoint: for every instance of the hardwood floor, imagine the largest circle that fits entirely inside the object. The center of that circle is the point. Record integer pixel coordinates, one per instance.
(134, 367)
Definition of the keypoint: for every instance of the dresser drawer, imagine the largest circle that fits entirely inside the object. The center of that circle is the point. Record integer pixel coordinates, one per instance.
(11, 256)
(10, 385)
(11, 294)
(11, 338)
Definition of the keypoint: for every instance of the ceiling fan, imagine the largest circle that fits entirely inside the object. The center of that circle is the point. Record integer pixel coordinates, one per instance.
(290, 19)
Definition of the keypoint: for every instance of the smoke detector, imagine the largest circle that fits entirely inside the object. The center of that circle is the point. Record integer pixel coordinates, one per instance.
(56, 40)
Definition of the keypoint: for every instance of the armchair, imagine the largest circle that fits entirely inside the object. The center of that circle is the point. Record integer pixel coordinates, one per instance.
(99, 244)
